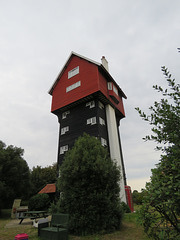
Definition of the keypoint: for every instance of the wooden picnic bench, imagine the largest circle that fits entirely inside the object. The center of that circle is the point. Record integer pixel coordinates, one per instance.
(33, 215)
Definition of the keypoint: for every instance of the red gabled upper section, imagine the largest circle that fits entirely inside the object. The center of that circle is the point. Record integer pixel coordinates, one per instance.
(81, 77)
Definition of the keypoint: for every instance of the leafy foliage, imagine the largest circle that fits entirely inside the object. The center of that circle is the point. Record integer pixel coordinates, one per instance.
(165, 114)
(14, 175)
(160, 214)
(89, 188)
(138, 196)
(2, 195)
(125, 207)
(42, 176)
(39, 202)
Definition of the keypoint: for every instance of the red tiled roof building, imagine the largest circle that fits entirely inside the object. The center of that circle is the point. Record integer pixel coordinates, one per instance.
(49, 188)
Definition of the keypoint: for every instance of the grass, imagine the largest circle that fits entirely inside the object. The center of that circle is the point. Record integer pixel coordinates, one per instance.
(10, 233)
(130, 230)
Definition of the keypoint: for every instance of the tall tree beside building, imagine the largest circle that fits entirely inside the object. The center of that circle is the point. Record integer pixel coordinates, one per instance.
(14, 175)
(161, 211)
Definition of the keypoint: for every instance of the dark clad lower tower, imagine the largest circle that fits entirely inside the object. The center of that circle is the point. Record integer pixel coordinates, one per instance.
(86, 98)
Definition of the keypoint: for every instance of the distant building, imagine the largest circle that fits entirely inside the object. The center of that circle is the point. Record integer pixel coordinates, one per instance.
(49, 189)
(86, 98)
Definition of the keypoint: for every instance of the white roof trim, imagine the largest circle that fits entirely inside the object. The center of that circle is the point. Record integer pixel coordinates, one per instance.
(88, 59)
(63, 68)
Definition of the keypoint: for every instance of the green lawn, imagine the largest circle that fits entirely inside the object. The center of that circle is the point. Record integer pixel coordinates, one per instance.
(130, 230)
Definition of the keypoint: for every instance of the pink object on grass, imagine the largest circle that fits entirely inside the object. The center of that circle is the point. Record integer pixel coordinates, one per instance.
(21, 236)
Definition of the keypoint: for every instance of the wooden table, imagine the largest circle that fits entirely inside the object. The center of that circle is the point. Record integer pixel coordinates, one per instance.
(33, 215)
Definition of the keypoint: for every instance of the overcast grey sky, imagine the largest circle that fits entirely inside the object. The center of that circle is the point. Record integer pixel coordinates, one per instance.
(137, 37)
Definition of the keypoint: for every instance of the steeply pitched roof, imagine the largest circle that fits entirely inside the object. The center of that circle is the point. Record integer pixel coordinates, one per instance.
(49, 188)
(89, 60)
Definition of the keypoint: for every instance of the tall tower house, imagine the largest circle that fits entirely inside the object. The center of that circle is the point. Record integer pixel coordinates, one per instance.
(86, 98)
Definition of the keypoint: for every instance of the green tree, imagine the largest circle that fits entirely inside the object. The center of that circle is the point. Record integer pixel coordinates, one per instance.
(138, 196)
(14, 175)
(89, 188)
(41, 176)
(39, 202)
(160, 212)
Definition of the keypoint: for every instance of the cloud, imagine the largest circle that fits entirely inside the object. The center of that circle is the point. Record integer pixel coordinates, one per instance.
(137, 38)
(138, 183)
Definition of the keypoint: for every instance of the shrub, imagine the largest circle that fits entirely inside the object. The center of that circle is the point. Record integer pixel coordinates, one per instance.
(39, 202)
(125, 208)
(89, 186)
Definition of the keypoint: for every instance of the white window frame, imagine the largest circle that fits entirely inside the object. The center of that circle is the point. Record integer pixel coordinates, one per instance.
(101, 105)
(103, 142)
(64, 130)
(115, 90)
(73, 86)
(73, 72)
(90, 104)
(91, 121)
(109, 85)
(64, 114)
(63, 149)
(101, 121)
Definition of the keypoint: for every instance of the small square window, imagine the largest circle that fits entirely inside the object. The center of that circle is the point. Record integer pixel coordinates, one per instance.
(64, 130)
(73, 72)
(103, 142)
(115, 90)
(91, 121)
(109, 84)
(63, 149)
(73, 86)
(101, 105)
(90, 104)
(64, 114)
(101, 121)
